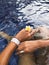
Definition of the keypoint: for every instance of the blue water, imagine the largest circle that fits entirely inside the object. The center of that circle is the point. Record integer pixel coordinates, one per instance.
(16, 14)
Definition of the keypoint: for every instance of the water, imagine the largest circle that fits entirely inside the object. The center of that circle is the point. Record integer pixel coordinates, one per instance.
(16, 14)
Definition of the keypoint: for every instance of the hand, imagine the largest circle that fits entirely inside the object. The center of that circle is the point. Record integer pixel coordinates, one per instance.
(24, 34)
(28, 47)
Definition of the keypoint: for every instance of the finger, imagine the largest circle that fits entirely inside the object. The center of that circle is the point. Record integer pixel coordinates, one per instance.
(34, 31)
(24, 30)
(21, 47)
(20, 52)
(23, 51)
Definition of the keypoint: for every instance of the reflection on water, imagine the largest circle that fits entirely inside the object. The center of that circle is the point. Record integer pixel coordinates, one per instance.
(36, 13)
(16, 14)
(24, 12)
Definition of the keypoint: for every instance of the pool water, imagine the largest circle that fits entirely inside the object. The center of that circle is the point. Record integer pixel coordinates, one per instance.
(16, 14)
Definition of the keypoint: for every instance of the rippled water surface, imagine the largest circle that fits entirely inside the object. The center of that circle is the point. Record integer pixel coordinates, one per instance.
(16, 14)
